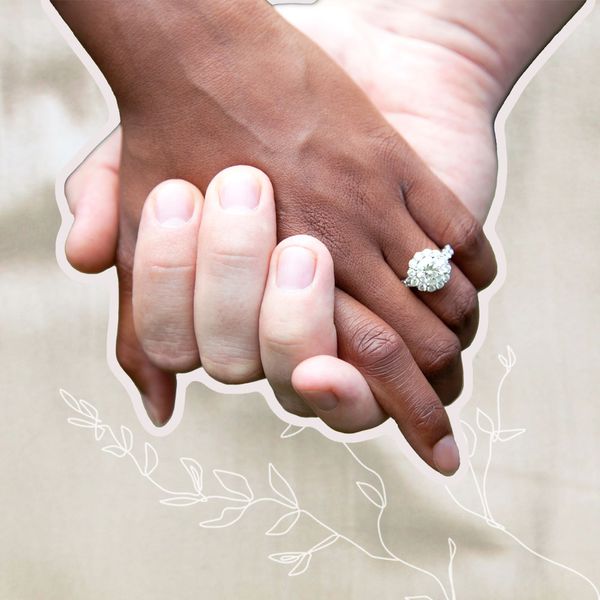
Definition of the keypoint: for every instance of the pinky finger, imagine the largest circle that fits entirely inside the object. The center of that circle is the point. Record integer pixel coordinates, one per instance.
(338, 394)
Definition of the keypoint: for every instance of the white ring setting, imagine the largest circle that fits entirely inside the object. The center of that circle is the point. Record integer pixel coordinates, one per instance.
(429, 270)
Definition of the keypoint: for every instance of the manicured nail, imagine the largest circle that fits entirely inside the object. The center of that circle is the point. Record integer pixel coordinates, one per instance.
(295, 268)
(239, 191)
(153, 413)
(321, 400)
(445, 456)
(173, 204)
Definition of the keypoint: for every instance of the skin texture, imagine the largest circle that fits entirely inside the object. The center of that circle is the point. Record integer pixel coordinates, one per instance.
(471, 110)
(199, 265)
(205, 282)
(438, 71)
(340, 173)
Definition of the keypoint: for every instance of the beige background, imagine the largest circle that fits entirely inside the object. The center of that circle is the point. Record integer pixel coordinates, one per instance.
(79, 523)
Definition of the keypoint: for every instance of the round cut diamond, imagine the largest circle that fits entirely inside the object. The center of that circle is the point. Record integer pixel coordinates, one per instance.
(429, 270)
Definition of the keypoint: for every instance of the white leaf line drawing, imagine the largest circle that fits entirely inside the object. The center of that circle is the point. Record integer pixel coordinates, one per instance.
(509, 434)
(495, 434)
(99, 431)
(150, 459)
(284, 496)
(300, 560)
(126, 438)
(235, 483)
(371, 494)
(239, 486)
(228, 516)
(80, 422)
(284, 524)
(332, 539)
(452, 552)
(70, 401)
(88, 409)
(180, 501)
(281, 487)
(472, 441)
(194, 470)
(484, 422)
(286, 558)
(301, 565)
(291, 431)
(115, 450)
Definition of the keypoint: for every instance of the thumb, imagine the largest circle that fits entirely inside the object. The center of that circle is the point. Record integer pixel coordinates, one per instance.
(92, 192)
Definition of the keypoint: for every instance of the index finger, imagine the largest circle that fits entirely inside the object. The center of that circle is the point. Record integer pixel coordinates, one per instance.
(379, 353)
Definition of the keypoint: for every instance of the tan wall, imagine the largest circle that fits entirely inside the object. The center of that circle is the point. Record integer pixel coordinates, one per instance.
(76, 522)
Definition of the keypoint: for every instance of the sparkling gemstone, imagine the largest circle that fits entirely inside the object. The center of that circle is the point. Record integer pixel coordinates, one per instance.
(429, 270)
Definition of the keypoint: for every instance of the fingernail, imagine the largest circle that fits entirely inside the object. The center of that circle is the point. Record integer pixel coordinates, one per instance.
(239, 191)
(173, 204)
(445, 456)
(321, 400)
(295, 268)
(155, 415)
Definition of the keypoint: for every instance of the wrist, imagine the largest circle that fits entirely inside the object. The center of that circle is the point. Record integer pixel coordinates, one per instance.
(491, 43)
(148, 50)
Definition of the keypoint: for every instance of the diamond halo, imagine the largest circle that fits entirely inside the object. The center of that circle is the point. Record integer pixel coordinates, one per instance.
(429, 270)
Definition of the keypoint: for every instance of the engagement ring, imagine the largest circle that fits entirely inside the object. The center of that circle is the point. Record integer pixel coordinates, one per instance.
(429, 270)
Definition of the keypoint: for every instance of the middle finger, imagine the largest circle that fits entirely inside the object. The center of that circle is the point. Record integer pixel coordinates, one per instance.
(237, 236)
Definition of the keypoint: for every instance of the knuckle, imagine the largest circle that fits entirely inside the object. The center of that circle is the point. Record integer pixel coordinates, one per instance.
(464, 308)
(232, 260)
(173, 356)
(386, 144)
(231, 368)
(425, 417)
(490, 274)
(442, 357)
(377, 347)
(468, 235)
(163, 271)
(287, 338)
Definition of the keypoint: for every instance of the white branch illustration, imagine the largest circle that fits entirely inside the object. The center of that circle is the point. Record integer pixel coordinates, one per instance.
(495, 434)
(239, 496)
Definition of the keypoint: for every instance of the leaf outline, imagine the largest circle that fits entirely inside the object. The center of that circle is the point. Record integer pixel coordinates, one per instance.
(511, 434)
(219, 475)
(276, 476)
(471, 447)
(150, 459)
(221, 522)
(483, 419)
(286, 558)
(126, 438)
(180, 501)
(372, 494)
(194, 470)
(115, 450)
(328, 541)
(284, 524)
(69, 400)
(90, 410)
(291, 430)
(301, 566)
(81, 422)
